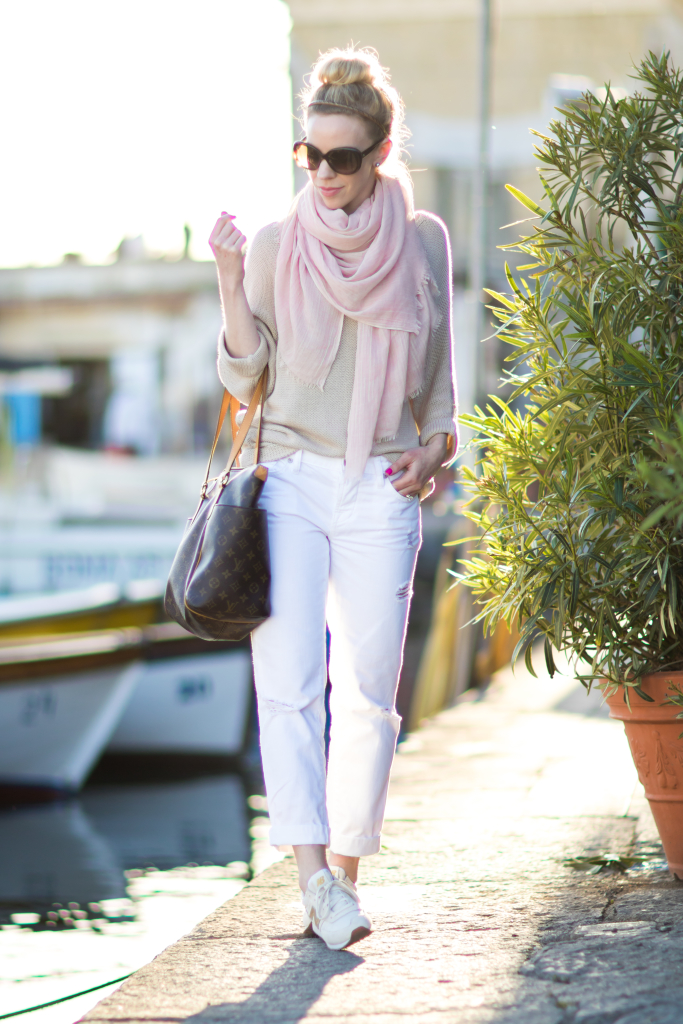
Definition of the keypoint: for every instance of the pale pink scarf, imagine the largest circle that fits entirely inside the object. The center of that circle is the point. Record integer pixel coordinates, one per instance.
(371, 266)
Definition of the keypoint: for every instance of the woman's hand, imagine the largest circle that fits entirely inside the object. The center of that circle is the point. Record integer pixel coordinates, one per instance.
(419, 465)
(227, 244)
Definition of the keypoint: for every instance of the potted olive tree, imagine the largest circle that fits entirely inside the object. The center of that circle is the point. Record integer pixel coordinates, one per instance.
(582, 543)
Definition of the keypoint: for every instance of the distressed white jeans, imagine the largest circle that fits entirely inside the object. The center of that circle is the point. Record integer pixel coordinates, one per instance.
(342, 553)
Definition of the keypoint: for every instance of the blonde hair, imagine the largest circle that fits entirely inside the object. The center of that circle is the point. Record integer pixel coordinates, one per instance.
(353, 81)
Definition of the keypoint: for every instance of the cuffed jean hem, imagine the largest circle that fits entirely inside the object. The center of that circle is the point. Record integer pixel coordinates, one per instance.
(299, 835)
(354, 846)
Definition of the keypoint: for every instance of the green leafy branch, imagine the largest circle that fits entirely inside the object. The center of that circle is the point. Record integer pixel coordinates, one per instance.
(578, 493)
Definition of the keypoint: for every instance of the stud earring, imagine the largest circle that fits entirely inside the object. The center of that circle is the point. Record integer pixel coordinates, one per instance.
(377, 164)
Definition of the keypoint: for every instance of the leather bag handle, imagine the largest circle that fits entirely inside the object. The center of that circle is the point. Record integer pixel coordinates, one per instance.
(238, 435)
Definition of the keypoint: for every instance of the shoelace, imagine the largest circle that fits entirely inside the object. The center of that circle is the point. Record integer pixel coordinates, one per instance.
(332, 898)
(348, 885)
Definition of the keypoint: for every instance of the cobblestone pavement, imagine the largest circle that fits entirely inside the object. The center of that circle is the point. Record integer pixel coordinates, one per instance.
(477, 917)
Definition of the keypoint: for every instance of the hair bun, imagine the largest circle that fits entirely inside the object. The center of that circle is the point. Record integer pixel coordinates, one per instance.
(352, 82)
(345, 71)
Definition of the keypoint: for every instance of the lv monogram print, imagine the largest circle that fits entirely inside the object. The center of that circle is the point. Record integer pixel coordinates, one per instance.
(219, 586)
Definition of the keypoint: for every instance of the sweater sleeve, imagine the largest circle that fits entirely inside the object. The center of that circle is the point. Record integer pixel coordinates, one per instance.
(240, 374)
(435, 408)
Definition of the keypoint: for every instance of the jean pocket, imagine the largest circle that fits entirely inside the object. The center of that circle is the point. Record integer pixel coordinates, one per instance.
(407, 499)
(287, 463)
(404, 499)
(386, 481)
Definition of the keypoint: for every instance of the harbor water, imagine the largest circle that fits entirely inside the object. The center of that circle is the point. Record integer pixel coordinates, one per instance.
(93, 887)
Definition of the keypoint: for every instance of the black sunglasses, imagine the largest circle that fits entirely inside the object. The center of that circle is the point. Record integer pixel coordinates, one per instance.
(344, 160)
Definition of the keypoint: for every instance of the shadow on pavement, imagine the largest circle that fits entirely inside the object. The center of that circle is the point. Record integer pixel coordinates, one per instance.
(290, 991)
(620, 965)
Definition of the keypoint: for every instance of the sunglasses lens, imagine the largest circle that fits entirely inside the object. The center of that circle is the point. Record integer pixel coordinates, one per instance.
(341, 161)
(306, 157)
(345, 161)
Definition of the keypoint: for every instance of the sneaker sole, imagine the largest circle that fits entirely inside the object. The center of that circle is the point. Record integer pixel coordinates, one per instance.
(356, 935)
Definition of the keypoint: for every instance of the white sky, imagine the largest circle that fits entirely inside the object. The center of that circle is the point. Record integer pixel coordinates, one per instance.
(136, 117)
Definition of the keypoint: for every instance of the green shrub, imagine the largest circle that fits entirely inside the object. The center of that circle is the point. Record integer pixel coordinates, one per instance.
(582, 542)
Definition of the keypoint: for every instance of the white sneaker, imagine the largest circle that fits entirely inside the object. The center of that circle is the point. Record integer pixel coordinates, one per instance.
(332, 909)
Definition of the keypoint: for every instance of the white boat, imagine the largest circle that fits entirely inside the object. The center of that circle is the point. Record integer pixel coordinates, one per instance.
(189, 697)
(103, 606)
(37, 558)
(63, 699)
(60, 700)
(87, 518)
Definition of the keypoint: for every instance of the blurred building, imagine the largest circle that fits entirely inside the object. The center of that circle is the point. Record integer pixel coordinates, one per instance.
(118, 356)
(544, 51)
(99, 364)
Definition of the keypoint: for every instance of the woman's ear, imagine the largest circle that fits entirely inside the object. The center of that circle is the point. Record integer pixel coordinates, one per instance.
(384, 151)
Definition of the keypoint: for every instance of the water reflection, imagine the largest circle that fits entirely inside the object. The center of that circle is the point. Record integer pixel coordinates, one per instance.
(202, 821)
(54, 854)
(77, 852)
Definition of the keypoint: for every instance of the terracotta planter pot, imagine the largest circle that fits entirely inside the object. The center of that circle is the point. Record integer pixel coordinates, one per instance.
(652, 731)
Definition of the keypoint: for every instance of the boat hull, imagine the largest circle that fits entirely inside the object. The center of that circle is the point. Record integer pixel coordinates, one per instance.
(197, 704)
(54, 728)
(105, 606)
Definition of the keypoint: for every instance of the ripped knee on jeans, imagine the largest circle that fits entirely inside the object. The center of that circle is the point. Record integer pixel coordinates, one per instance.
(389, 713)
(404, 591)
(279, 708)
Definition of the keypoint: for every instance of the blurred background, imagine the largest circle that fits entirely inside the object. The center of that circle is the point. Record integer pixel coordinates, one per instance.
(127, 129)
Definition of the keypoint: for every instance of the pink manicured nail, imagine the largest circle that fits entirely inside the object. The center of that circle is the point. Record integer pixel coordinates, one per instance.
(389, 471)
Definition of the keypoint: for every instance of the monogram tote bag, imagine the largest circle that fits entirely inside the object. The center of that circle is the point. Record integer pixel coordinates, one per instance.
(219, 586)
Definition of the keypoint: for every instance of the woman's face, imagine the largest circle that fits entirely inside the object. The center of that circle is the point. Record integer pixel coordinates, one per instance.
(333, 131)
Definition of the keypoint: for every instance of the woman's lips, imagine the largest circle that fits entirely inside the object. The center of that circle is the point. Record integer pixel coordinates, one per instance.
(328, 191)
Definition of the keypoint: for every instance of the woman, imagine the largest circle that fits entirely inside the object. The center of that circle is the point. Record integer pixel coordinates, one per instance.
(347, 302)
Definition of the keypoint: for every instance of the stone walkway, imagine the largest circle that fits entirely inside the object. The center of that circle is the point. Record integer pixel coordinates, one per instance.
(477, 918)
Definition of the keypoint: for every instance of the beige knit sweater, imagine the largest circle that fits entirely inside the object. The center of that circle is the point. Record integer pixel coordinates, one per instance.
(298, 416)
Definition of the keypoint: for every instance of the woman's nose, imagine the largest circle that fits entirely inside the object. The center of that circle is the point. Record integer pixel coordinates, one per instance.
(325, 171)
